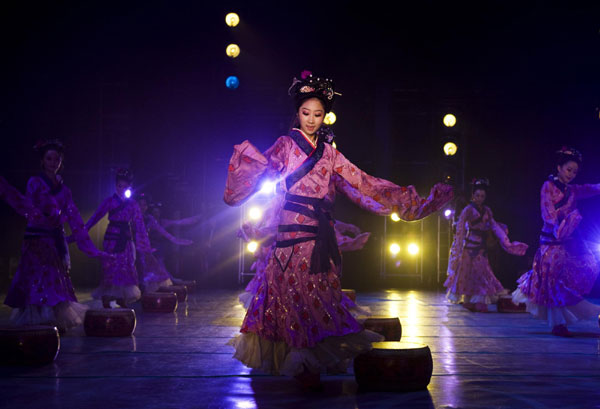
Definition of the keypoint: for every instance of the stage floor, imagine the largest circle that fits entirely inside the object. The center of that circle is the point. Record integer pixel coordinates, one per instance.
(181, 360)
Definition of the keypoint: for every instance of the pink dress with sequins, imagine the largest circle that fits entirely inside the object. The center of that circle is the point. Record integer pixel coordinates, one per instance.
(297, 321)
(125, 233)
(41, 291)
(564, 269)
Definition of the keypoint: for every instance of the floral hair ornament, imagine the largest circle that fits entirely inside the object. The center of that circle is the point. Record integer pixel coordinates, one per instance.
(574, 153)
(326, 133)
(481, 183)
(309, 86)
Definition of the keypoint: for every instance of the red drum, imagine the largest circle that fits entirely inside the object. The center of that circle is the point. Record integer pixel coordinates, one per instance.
(389, 327)
(505, 304)
(116, 322)
(159, 302)
(394, 366)
(179, 290)
(350, 293)
(29, 345)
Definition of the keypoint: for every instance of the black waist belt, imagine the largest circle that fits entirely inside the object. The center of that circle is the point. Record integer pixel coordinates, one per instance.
(57, 234)
(548, 239)
(326, 247)
(122, 237)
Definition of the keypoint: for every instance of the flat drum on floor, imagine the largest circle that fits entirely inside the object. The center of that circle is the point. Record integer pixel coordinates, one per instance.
(159, 302)
(394, 366)
(29, 345)
(389, 327)
(179, 290)
(107, 322)
(506, 304)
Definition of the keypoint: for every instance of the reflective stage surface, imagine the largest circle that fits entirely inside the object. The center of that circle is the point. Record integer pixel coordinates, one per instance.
(181, 360)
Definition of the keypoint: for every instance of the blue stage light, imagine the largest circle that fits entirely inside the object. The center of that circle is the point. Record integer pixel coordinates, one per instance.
(232, 82)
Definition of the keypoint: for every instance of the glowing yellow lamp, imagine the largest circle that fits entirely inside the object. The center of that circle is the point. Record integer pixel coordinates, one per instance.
(413, 249)
(232, 19)
(334, 145)
(394, 216)
(329, 119)
(449, 120)
(254, 213)
(394, 248)
(450, 148)
(252, 246)
(233, 50)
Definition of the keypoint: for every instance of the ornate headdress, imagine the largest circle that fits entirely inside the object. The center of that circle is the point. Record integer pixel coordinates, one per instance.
(326, 133)
(480, 184)
(44, 145)
(309, 86)
(570, 153)
(124, 174)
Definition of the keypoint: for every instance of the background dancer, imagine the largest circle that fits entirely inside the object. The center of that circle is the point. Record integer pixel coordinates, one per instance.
(471, 280)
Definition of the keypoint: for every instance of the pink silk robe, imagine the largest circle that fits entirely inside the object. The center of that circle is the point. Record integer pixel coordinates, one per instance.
(564, 269)
(291, 305)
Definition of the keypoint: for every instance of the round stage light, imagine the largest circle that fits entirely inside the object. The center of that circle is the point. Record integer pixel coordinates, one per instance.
(330, 118)
(394, 248)
(268, 187)
(252, 246)
(413, 249)
(232, 50)
(394, 216)
(232, 19)
(450, 149)
(128, 193)
(447, 213)
(232, 82)
(334, 145)
(254, 213)
(449, 120)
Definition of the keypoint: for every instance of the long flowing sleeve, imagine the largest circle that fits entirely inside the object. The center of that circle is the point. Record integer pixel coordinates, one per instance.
(248, 167)
(188, 221)
(20, 203)
(153, 224)
(459, 240)
(98, 214)
(142, 241)
(78, 229)
(585, 191)
(516, 248)
(382, 197)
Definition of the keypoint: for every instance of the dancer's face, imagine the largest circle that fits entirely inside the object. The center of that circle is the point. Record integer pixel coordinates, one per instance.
(121, 187)
(478, 197)
(568, 171)
(143, 205)
(51, 161)
(310, 116)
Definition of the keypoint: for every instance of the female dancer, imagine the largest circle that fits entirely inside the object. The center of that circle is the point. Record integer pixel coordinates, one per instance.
(564, 269)
(295, 325)
(471, 280)
(120, 280)
(154, 273)
(41, 291)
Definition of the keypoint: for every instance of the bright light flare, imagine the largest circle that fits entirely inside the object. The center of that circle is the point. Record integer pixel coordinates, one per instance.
(232, 19)
(128, 193)
(413, 249)
(394, 248)
(449, 120)
(334, 145)
(394, 216)
(330, 118)
(450, 149)
(254, 213)
(232, 50)
(447, 213)
(232, 82)
(268, 187)
(252, 246)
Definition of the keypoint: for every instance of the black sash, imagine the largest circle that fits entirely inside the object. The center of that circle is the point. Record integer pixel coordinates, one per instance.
(122, 237)
(326, 247)
(314, 155)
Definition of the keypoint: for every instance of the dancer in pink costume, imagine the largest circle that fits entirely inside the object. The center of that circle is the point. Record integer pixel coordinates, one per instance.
(296, 324)
(564, 269)
(41, 291)
(126, 223)
(471, 280)
(154, 274)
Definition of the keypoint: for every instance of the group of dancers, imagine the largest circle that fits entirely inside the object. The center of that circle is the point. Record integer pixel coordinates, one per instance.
(564, 267)
(41, 291)
(298, 321)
